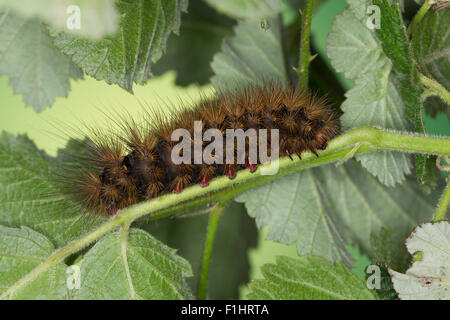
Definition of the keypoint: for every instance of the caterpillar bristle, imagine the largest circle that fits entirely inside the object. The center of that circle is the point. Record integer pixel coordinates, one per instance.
(122, 169)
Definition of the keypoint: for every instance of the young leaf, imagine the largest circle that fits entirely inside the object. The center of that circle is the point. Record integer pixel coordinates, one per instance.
(96, 17)
(431, 46)
(29, 197)
(246, 9)
(309, 278)
(133, 265)
(201, 34)
(428, 277)
(21, 250)
(126, 56)
(356, 51)
(252, 55)
(35, 68)
(230, 264)
(320, 208)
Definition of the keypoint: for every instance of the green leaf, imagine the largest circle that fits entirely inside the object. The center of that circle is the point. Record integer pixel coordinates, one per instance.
(376, 99)
(21, 250)
(429, 277)
(36, 69)
(127, 56)
(201, 34)
(428, 173)
(319, 209)
(252, 55)
(246, 9)
(230, 264)
(359, 8)
(389, 248)
(308, 278)
(431, 46)
(30, 196)
(96, 17)
(133, 265)
(295, 209)
(352, 47)
(386, 290)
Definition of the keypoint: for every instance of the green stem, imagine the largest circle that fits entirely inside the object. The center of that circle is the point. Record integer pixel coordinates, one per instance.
(124, 230)
(443, 205)
(305, 56)
(419, 15)
(223, 189)
(213, 222)
(435, 88)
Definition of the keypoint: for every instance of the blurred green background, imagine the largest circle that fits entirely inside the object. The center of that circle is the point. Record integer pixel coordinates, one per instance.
(89, 96)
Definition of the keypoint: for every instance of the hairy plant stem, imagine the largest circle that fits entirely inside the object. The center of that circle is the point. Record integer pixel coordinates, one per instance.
(223, 189)
(444, 202)
(305, 56)
(213, 222)
(434, 88)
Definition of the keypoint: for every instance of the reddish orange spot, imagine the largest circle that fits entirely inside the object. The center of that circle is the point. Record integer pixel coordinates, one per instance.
(251, 166)
(178, 187)
(230, 172)
(204, 181)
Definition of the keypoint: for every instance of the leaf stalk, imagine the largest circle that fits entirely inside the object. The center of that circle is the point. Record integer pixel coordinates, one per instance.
(434, 88)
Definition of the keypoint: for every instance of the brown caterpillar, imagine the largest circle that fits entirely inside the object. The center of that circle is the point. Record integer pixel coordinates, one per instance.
(124, 170)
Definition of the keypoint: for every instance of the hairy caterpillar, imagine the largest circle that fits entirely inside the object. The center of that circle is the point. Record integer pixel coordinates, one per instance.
(121, 170)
